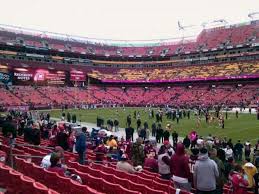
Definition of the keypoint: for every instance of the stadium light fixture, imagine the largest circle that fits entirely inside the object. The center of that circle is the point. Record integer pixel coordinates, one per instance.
(253, 15)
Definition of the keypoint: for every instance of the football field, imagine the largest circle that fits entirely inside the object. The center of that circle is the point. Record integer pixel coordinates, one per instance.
(245, 127)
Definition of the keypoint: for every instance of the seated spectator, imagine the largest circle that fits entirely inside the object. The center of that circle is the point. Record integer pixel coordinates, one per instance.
(55, 164)
(100, 151)
(111, 142)
(45, 163)
(238, 180)
(123, 165)
(150, 161)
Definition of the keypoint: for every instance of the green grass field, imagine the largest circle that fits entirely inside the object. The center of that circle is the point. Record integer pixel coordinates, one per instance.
(246, 127)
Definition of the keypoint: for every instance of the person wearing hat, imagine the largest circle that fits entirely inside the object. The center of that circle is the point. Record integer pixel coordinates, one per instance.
(205, 173)
(250, 170)
(137, 152)
(180, 168)
(124, 166)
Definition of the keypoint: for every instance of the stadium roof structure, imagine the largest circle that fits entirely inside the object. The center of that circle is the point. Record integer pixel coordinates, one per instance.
(207, 26)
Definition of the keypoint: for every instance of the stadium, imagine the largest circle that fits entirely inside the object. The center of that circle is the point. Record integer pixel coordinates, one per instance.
(89, 115)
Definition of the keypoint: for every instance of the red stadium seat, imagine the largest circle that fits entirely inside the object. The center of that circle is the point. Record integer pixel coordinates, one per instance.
(127, 191)
(77, 188)
(106, 176)
(94, 182)
(123, 182)
(110, 188)
(149, 190)
(159, 186)
(136, 187)
(63, 184)
(27, 184)
(39, 188)
(144, 181)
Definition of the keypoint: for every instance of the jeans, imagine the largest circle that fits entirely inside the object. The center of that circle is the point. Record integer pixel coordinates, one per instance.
(81, 157)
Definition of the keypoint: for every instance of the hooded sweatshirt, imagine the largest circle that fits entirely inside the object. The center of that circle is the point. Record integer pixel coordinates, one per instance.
(205, 173)
(250, 171)
(180, 164)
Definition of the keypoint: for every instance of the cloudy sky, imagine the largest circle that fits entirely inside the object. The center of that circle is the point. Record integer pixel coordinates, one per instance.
(123, 19)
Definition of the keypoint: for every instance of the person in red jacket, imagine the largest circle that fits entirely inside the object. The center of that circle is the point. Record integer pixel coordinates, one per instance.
(180, 168)
(239, 180)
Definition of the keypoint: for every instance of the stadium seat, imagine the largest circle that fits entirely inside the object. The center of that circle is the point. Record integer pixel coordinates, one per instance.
(160, 186)
(149, 190)
(136, 187)
(27, 184)
(39, 188)
(110, 188)
(77, 188)
(94, 182)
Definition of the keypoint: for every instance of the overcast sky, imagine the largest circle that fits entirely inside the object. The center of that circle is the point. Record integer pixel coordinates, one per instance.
(122, 19)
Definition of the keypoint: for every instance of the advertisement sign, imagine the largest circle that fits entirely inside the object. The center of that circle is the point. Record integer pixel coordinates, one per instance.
(77, 76)
(22, 76)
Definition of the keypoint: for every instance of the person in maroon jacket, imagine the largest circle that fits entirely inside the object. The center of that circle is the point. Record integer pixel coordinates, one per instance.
(180, 168)
(100, 151)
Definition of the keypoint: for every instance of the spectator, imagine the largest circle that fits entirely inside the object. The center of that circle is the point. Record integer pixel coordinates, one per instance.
(71, 141)
(62, 138)
(116, 125)
(81, 145)
(55, 164)
(150, 161)
(186, 142)
(175, 137)
(180, 169)
(250, 170)
(238, 151)
(229, 166)
(229, 152)
(143, 133)
(138, 155)
(9, 126)
(129, 133)
(164, 163)
(159, 133)
(221, 168)
(112, 143)
(100, 151)
(205, 174)
(45, 163)
(153, 129)
(256, 178)
(247, 149)
(166, 133)
(124, 166)
(238, 180)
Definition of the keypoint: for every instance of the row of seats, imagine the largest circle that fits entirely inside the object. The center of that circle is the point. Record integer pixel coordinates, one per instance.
(190, 73)
(205, 95)
(16, 182)
(207, 39)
